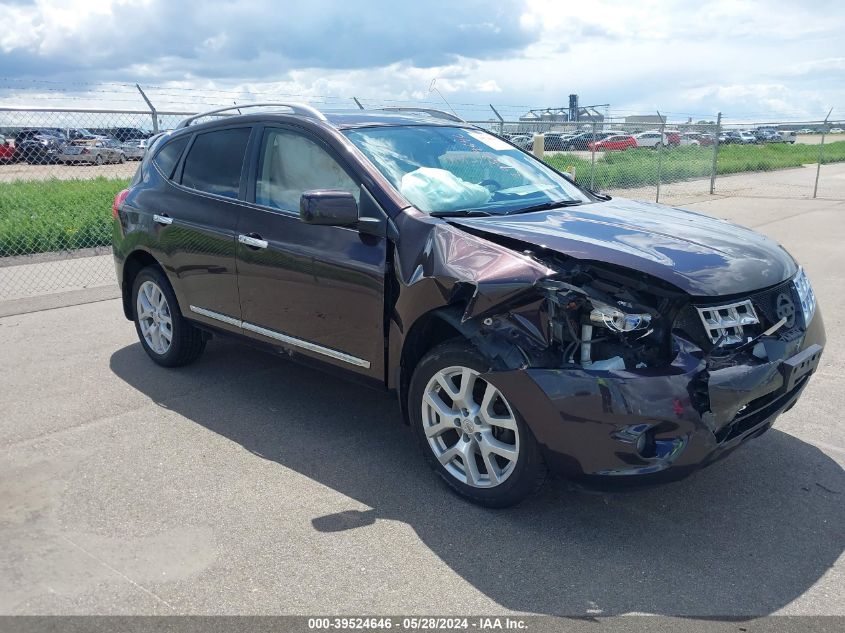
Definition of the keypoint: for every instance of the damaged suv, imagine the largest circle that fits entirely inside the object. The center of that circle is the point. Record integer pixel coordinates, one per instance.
(525, 323)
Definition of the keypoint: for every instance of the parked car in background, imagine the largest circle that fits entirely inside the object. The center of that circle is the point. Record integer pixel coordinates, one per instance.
(805, 131)
(836, 130)
(80, 133)
(8, 154)
(134, 150)
(581, 141)
(747, 138)
(38, 146)
(730, 137)
(668, 338)
(767, 135)
(121, 134)
(523, 141)
(673, 138)
(650, 139)
(97, 152)
(788, 136)
(696, 138)
(553, 141)
(615, 143)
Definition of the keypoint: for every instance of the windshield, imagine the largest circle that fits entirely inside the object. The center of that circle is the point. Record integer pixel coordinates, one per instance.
(449, 169)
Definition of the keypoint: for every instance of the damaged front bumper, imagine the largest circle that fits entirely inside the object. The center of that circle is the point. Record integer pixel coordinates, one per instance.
(659, 424)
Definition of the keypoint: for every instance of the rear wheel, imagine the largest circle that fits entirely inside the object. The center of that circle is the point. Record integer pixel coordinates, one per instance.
(169, 339)
(469, 432)
(99, 159)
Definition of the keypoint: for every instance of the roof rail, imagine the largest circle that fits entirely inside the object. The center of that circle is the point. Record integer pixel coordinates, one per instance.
(298, 108)
(439, 114)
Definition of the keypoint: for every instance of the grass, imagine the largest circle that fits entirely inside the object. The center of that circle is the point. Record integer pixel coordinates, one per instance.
(635, 168)
(54, 215)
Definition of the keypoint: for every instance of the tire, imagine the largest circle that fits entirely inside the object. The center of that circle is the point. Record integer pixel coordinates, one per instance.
(512, 480)
(99, 159)
(186, 343)
(121, 159)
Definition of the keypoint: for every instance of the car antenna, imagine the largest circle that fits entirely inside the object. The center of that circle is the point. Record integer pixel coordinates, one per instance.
(433, 88)
(236, 103)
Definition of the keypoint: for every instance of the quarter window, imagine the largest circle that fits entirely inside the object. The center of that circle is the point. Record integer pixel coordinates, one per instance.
(214, 162)
(168, 156)
(291, 164)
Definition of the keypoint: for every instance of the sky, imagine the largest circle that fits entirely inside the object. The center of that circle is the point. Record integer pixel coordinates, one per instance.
(751, 60)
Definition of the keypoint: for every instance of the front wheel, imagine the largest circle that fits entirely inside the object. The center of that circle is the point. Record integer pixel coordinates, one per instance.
(468, 431)
(169, 339)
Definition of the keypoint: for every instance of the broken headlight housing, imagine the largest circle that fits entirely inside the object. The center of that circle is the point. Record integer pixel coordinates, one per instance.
(805, 295)
(603, 326)
(616, 320)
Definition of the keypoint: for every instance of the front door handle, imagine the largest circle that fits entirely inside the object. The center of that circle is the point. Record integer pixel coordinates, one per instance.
(253, 240)
(162, 219)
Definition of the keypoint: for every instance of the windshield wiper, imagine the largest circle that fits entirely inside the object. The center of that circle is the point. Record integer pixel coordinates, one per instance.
(459, 213)
(547, 206)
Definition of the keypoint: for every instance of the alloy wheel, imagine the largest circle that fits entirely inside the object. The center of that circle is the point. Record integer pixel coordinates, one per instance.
(154, 317)
(470, 427)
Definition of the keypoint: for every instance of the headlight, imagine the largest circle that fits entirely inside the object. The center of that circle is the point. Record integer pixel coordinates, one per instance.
(805, 295)
(616, 320)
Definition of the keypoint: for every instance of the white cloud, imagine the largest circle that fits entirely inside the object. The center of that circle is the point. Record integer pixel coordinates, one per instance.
(780, 58)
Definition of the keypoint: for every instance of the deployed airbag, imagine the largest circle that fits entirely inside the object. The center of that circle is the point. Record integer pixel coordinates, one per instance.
(429, 189)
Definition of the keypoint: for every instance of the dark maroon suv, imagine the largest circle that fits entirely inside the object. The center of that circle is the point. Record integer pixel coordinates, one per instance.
(525, 323)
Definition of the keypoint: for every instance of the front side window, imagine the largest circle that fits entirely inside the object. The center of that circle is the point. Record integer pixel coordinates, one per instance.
(291, 164)
(449, 169)
(215, 160)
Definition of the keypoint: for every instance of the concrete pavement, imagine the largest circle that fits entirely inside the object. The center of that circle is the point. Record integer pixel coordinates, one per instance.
(247, 484)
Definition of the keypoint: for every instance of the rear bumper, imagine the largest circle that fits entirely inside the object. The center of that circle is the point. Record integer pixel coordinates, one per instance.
(653, 425)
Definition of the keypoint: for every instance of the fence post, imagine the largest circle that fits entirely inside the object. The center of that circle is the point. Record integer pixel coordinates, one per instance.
(150, 105)
(821, 153)
(501, 120)
(660, 152)
(593, 157)
(715, 153)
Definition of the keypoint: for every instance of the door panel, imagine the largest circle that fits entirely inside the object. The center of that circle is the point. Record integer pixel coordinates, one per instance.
(198, 249)
(318, 290)
(197, 225)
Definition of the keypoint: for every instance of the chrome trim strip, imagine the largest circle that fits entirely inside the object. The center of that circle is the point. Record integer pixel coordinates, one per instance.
(284, 338)
(312, 347)
(162, 219)
(216, 315)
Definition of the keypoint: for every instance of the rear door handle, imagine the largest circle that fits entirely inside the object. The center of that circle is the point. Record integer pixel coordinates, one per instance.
(253, 240)
(162, 219)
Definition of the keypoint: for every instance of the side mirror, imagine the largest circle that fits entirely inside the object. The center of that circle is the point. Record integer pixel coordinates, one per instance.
(327, 206)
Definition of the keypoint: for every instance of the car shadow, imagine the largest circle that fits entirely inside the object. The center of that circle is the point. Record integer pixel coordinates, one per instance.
(744, 537)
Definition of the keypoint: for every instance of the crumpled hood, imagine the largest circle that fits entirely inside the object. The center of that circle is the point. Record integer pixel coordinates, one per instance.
(701, 255)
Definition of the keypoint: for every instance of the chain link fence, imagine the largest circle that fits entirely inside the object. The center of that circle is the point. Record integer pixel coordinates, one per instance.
(61, 168)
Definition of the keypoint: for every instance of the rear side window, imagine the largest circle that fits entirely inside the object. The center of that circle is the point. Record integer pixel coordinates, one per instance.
(168, 156)
(214, 162)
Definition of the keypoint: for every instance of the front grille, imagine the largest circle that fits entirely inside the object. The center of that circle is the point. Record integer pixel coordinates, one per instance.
(705, 323)
(726, 323)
